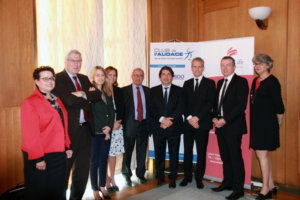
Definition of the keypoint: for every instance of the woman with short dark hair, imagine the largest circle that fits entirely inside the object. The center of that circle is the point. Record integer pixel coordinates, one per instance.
(266, 115)
(46, 143)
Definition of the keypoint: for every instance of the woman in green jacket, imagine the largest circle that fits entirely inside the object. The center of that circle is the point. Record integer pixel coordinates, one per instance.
(104, 116)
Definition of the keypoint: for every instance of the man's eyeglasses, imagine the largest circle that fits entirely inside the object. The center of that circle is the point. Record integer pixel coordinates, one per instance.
(74, 61)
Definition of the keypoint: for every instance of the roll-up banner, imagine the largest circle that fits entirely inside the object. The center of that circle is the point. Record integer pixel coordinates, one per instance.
(179, 55)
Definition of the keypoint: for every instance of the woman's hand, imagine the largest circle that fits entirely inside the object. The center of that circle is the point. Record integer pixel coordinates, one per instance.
(69, 153)
(106, 130)
(117, 125)
(41, 165)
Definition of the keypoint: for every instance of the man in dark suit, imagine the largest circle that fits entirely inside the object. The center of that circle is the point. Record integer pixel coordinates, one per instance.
(136, 100)
(166, 110)
(76, 93)
(230, 122)
(199, 97)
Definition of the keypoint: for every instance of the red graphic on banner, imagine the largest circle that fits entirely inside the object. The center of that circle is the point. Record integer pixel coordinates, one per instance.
(231, 52)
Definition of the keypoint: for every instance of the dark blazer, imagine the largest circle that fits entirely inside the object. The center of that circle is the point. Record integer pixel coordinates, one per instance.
(104, 114)
(119, 103)
(174, 109)
(129, 122)
(234, 104)
(63, 88)
(200, 102)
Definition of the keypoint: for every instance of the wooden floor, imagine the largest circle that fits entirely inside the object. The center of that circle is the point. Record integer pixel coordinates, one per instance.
(126, 192)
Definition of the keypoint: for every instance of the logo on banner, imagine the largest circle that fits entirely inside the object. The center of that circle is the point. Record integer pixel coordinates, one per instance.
(189, 54)
(238, 61)
(178, 77)
(168, 53)
(231, 52)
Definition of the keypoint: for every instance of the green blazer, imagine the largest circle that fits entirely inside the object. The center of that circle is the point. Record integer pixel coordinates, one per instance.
(104, 114)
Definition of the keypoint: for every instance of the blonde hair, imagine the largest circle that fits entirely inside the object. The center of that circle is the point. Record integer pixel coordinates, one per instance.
(106, 87)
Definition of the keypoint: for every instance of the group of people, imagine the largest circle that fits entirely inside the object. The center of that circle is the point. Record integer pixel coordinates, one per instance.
(73, 123)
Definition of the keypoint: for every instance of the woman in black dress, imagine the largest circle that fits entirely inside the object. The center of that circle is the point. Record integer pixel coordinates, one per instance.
(266, 114)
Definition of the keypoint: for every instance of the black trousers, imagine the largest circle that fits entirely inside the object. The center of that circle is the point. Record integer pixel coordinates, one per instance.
(80, 161)
(45, 184)
(140, 137)
(201, 138)
(233, 163)
(160, 142)
(99, 157)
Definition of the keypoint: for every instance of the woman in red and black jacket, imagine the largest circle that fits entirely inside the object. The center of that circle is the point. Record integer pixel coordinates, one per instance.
(46, 143)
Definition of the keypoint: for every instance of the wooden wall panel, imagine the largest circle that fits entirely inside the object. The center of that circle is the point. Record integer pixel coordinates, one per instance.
(213, 5)
(17, 61)
(174, 19)
(11, 161)
(293, 95)
(17, 52)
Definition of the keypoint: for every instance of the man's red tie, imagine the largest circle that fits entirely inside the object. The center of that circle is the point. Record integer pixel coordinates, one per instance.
(78, 87)
(139, 105)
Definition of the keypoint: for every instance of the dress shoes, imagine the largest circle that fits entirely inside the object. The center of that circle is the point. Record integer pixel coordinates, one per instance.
(160, 182)
(184, 182)
(221, 188)
(142, 180)
(262, 197)
(172, 184)
(200, 184)
(128, 181)
(235, 195)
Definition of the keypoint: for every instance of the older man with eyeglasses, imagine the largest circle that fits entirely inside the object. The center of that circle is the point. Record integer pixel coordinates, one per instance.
(77, 93)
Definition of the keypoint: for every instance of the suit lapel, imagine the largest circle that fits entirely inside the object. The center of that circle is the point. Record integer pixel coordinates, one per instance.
(68, 80)
(230, 86)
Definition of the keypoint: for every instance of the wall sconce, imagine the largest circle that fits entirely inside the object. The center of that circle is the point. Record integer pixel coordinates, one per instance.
(260, 15)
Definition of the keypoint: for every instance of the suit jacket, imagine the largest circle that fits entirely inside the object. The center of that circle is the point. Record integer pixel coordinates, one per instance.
(119, 103)
(234, 104)
(174, 109)
(42, 128)
(63, 88)
(129, 123)
(200, 102)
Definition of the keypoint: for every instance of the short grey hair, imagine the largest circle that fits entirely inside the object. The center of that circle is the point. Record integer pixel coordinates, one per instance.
(263, 58)
(197, 59)
(73, 51)
(138, 68)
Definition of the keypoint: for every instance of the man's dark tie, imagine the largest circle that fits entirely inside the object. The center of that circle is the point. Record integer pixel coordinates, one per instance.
(222, 96)
(166, 101)
(78, 88)
(139, 105)
(196, 86)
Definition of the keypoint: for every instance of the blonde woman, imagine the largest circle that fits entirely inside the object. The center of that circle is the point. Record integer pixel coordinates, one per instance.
(104, 116)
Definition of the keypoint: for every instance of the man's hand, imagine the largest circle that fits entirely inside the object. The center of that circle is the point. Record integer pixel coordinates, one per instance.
(91, 89)
(193, 121)
(79, 94)
(167, 122)
(219, 123)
